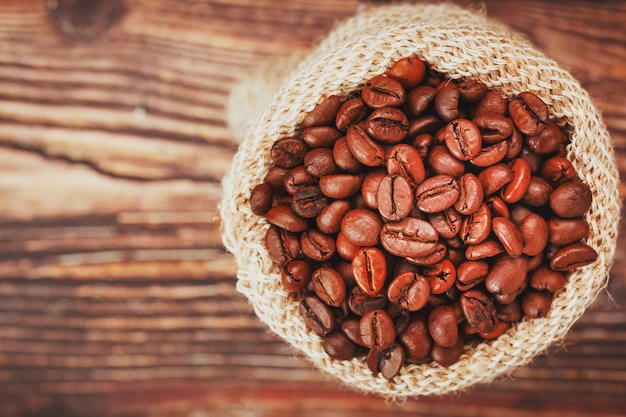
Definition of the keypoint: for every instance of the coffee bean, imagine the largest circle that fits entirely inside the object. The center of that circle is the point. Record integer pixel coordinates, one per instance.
(549, 140)
(261, 199)
(538, 192)
(369, 267)
(275, 178)
(447, 356)
(498, 207)
(408, 71)
(471, 194)
(463, 139)
(422, 144)
(320, 136)
(471, 91)
(317, 245)
(565, 231)
(319, 162)
(425, 123)
(509, 312)
(534, 231)
(545, 279)
(285, 218)
(296, 275)
(350, 327)
(416, 338)
(282, 246)
(447, 103)
(440, 276)
(558, 170)
(573, 256)
(362, 227)
(418, 99)
(491, 155)
(442, 326)
(438, 255)
(508, 235)
(346, 249)
(516, 143)
(297, 178)
(388, 125)
(529, 113)
(360, 303)
(308, 202)
(471, 274)
(406, 161)
(338, 346)
(571, 199)
(495, 178)
(363, 148)
(436, 193)
(485, 249)
(329, 286)
(536, 303)
(442, 162)
(377, 329)
(516, 188)
(339, 186)
(351, 112)
(344, 158)
(324, 113)
(476, 227)
(387, 361)
(499, 329)
(506, 275)
(492, 102)
(479, 311)
(447, 222)
(317, 316)
(382, 91)
(395, 198)
(329, 219)
(409, 237)
(409, 290)
(288, 152)
(493, 128)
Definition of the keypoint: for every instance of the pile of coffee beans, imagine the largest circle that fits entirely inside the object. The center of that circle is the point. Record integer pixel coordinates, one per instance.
(420, 214)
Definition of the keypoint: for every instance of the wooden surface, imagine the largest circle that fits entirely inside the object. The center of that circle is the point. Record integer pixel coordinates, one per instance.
(116, 296)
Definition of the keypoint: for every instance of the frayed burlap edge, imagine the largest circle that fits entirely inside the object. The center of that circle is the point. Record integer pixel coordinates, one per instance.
(459, 44)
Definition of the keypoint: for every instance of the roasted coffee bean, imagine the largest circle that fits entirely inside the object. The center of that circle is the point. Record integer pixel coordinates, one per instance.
(508, 235)
(516, 188)
(261, 199)
(506, 275)
(324, 113)
(471, 194)
(565, 231)
(447, 356)
(350, 327)
(320, 161)
(329, 219)
(509, 312)
(479, 311)
(534, 231)
(493, 128)
(360, 303)
(471, 91)
(369, 267)
(447, 103)
(346, 249)
(275, 178)
(476, 227)
(329, 286)
(491, 155)
(362, 227)
(440, 276)
(422, 144)
(386, 361)
(470, 274)
(320, 136)
(462, 138)
(425, 123)
(317, 245)
(369, 187)
(382, 91)
(351, 112)
(288, 152)
(545, 279)
(406, 161)
(409, 237)
(296, 275)
(538, 192)
(442, 162)
(308, 202)
(377, 329)
(282, 246)
(518, 213)
(339, 186)
(499, 329)
(438, 255)
(535, 261)
(363, 148)
(492, 102)
(442, 326)
(317, 316)
(416, 338)
(387, 125)
(573, 256)
(549, 140)
(285, 218)
(498, 207)
(297, 178)
(529, 113)
(485, 249)
(344, 158)
(418, 99)
(409, 290)
(516, 143)
(395, 198)
(533, 160)
(338, 346)
(447, 223)
(408, 71)
(536, 304)
(495, 178)
(436, 193)
(557, 170)
(571, 199)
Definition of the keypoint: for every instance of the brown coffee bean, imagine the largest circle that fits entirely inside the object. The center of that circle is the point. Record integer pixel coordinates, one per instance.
(329, 286)
(323, 113)
(288, 152)
(387, 125)
(386, 361)
(536, 304)
(442, 162)
(329, 219)
(471, 194)
(573, 256)
(498, 207)
(438, 255)
(436, 193)
(317, 245)
(571, 199)
(338, 346)
(408, 71)
(296, 275)
(297, 178)
(261, 199)
(534, 231)
(495, 178)
(405, 160)
(447, 223)
(447, 356)
(320, 136)
(538, 192)
(346, 249)
(409, 237)
(424, 123)
(533, 160)
(476, 227)
(546, 279)
(492, 102)
(516, 188)
(339, 185)
(308, 202)
(377, 329)
(369, 187)
(360, 303)
(319, 162)
(282, 246)
(418, 99)
(416, 338)
(549, 140)
(350, 327)
(422, 144)
(491, 155)
(518, 213)
(275, 178)
(344, 158)
(529, 113)
(516, 143)
(493, 128)
(442, 326)
(351, 112)
(409, 290)
(447, 102)
(479, 311)
(462, 138)
(506, 275)
(369, 267)
(395, 198)
(471, 274)
(508, 235)
(285, 218)
(499, 329)
(317, 316)
(485, 249)
(440, 276)
(382, 91)
(471, 91)
(363, 148)
(557, 170)
(362, 227)
(565, 231)
(509, 312)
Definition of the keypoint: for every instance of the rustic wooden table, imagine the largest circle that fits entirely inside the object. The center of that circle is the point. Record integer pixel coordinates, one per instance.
(116, 295)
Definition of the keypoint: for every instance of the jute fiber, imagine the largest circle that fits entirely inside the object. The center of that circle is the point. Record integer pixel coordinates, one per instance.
(459, 44)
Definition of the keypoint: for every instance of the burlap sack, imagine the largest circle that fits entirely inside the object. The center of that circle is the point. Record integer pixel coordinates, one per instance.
(459, 44)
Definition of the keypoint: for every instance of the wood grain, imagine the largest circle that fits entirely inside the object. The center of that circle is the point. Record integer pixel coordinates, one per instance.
(116, 295)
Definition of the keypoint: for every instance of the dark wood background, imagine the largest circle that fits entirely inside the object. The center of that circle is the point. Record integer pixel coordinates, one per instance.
(116, 295)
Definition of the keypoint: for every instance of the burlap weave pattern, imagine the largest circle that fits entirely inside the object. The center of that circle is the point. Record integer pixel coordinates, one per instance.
(459, 44)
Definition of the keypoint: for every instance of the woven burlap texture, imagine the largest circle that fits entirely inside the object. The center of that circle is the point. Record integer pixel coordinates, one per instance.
(459, 44)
